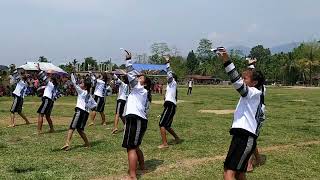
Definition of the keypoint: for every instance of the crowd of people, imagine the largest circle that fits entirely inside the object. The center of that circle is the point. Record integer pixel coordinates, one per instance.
(133, 105)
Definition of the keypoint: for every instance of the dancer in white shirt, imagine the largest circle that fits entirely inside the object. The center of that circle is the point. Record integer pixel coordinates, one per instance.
(123, 93)
(51, 93)
(169, 105)
(136, 113)
(101, 90)
(248, 117)
(18, 95)
(85, 103)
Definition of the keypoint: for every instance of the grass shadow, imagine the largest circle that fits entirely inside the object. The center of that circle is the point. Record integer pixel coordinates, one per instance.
(59, 131)
(31, 123)
(173, 142)
(263, 161)
(150, 165)
(93, 144)
(19, 170)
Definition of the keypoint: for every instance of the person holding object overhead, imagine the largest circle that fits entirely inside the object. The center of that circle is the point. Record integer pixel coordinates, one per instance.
(136, 113)
(18, 95)
(85, 103)
(51, 93)
(169, 107)
(248, 117)
(256, 159)
(123, 93)
(101, 90)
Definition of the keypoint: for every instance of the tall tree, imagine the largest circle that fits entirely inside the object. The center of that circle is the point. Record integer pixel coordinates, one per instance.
(142, 58)
(114, 67)
(158, 50)
(42, 59)
(122, 66)
(308, 58)
(205, 57)
(192, 63)
(204, 50)
(89, 64)
(263, 56)
(67, 67)
(178, 65)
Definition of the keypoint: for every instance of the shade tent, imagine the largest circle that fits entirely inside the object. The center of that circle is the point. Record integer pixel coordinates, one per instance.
(44, 66)
(149, 67)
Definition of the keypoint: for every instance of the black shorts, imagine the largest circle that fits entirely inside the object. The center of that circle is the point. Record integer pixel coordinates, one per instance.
(120, 107)
(135, 127)
(240, 150)
(100, 103)
(167, 114)
(46, 106)
(79, 119)
(17, 104)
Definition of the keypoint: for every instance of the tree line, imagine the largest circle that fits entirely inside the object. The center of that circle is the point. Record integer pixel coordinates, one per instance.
(300, 66)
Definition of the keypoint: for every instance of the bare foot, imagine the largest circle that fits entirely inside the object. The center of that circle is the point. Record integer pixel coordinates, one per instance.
(38, 133)
(66, 147)
(162, 146)
(87, 145)
(51, 131)
(249, 168)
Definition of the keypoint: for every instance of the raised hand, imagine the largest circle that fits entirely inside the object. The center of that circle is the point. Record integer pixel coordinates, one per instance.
(128, 55)
(222, 54)
(167, 58)
(73, 79)
(252, 60)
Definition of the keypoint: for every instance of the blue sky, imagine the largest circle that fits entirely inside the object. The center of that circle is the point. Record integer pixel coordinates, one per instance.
(65, 29)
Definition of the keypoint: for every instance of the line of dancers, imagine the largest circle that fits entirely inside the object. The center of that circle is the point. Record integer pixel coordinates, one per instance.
(132, 107)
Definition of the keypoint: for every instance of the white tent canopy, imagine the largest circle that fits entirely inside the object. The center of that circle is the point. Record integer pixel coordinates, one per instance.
(44, 66)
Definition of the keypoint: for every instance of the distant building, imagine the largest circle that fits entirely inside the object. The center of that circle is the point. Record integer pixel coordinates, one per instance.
(102, 67)
(198, 79)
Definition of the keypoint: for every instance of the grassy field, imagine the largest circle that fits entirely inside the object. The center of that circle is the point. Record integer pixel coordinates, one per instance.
(289, 139)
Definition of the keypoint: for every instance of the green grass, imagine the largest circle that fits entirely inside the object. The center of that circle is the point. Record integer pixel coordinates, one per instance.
(27, 156)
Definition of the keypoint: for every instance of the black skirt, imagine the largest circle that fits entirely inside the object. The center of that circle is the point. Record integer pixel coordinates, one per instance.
(79, 119)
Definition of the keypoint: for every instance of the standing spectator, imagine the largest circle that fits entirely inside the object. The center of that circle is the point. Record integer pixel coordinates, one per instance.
(160, 88)
(190, 84)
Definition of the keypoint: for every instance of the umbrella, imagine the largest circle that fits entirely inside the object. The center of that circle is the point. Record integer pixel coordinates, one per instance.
(47, 67)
